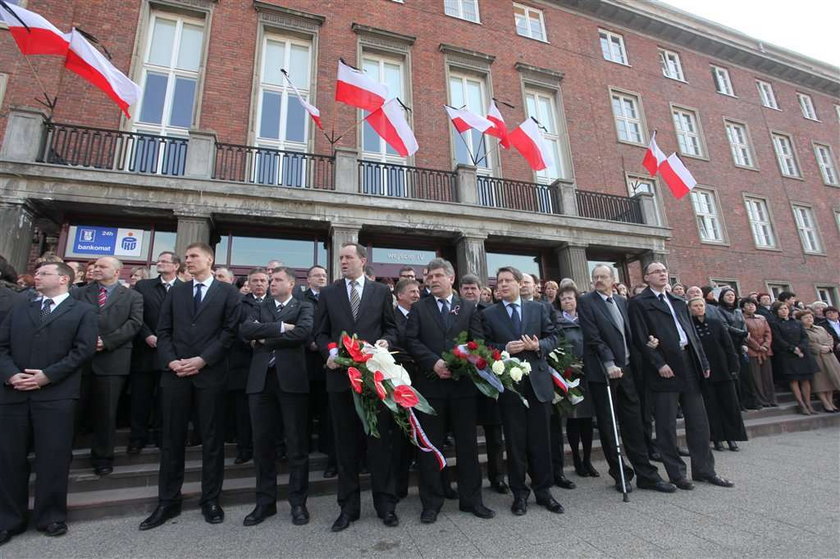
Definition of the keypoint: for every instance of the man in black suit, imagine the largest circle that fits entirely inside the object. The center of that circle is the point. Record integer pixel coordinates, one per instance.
(524, 329)
(198, 322)
(358, 306)
(43, 346)
(120, 318)
(608, 344)
(278, 384)
(146, 368)
(674, 369)
(433, 326)
(406, 292)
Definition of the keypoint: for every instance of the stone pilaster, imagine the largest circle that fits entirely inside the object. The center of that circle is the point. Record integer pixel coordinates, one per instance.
(471, 256)
(573, 264)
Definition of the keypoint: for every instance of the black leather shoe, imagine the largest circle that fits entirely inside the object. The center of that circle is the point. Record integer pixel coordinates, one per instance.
(683, 484)
(581, 471)
(551, 505)
(715, 480)
(342, 522)
(628, 485)
(564, 482)
(330, 471)
(500, 486)
(213, 513)
(260, 513)
(160, 515)
(718, 446)
(590, 469)
(300, 515)
(733, 446)
(242, 458)
(103, 470)
(519, 506)
(54, 529)
(7, 535)
(655, 456)
(682, 451)
(480, 511)
(134, 448)
(450, 493)
(390, 519)
(428, 516)
(662, 486)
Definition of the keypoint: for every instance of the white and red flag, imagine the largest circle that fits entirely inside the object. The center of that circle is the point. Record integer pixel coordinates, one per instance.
(677, 176)
(308, 107)
(464, 120)
(389, 122)
(528, 140)
(85, 60)
(41, 37)
(499, 129)
(356, 89)
(654, 157)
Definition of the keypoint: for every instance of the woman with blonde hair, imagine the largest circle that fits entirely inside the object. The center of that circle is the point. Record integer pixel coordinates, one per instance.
(827, 378)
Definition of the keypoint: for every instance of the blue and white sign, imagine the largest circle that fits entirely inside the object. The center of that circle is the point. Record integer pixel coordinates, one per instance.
(108, 241)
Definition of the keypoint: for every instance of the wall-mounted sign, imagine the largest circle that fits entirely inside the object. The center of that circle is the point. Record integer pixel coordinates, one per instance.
(108, 241)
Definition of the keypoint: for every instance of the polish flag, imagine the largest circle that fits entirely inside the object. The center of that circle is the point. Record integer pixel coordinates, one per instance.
(464, 120)
(527, 139)
(499, 129)
(654, 157)
(309, 108)
(90, 64)
(677, 176)
(42, 37)
(389, 122)
(356, 89)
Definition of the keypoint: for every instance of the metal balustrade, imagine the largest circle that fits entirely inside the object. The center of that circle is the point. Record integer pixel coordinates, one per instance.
(273, 167)
(597, 205)
(402, 181)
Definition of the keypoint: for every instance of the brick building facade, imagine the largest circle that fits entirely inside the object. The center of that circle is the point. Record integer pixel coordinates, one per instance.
(758, 126)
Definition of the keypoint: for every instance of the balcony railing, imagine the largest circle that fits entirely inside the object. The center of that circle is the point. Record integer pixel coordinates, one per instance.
(517, 195)
(401, 181)
(597, 205)
(117, 150)
(273, 167)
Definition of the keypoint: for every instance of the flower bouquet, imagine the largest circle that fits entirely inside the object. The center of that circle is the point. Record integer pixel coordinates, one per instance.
(567, 392)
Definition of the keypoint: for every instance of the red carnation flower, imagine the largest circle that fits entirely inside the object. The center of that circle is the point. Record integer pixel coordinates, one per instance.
(481, 363)
(497, 355)
(472, 346)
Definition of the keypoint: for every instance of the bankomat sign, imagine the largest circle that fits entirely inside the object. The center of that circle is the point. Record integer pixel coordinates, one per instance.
(108, 241)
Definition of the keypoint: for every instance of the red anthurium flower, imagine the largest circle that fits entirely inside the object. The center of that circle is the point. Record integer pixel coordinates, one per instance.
(378, 377)
(354, 348)
(481, 363)
(497, 355)
(355, 379)
(568, 373)
(405, 396)
(472, 346)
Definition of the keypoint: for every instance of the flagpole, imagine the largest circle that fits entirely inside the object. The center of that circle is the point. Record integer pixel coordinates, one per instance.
(496, 151)
(50, 103)
(292, 85)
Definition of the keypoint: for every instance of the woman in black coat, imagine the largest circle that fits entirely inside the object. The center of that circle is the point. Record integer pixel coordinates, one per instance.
(722, 408)
(791, 356)
(736, 326)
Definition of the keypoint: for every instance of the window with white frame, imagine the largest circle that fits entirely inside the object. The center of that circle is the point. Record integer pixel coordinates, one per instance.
(612, 46)
(827, 294)
(837, 110)
(469, 91)
(807, 106)
(785, 155)
(708, 218)
(837, 218)
(760, 223)
(722, 82)
(628, 117)
(637, 184)
(687, 128)
(825, 161)
(765, 92)
(542, 106)
(807, 227)
(739, 144)
(462, 9)
(4, 79)
(724, 282)
(529, 22)
(671, 65)
(776, 288)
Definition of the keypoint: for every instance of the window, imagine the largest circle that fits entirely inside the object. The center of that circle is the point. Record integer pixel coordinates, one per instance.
(470, 91)
(246, 251)
(825, 161)
(529, 22)
(687, 128)
(671, 66)
(628, 118)
(807, 227)
(541, 105)
(739, 144)
(837, 110)
(807, 106)
(708, 220)
(722, 82)
(776, 288)
(612, 47)
(785, 155)
(4, 79)
(765, 92)
(637, 184)
(462, 9)
(827, 294)
(837, 218)
(723, 282)
(762, 228)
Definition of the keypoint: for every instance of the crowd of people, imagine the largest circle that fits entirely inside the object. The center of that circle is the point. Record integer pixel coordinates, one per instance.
(199, 357)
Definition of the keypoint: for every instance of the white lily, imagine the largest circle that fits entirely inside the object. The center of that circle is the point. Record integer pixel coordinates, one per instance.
(383, 361)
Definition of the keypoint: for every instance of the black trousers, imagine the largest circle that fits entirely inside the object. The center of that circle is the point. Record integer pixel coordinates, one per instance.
(178, 400)
(105, 398)
(528, 442)
(319, 409)
(459, 415)
(51, 427)
(266, 408)
(628, 414)
(557, 452)
(240, 416)
(495, 447)
(347, 428)
(723, 411)
(145, 408)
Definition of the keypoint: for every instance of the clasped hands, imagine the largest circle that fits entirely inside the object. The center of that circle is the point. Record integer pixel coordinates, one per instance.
(331, 364)
(525, 343)
(29, 379)
(187, 367)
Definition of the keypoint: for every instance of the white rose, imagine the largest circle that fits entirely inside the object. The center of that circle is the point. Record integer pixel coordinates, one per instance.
(516, 374)
(498, 367)
(505, 355)
(526, 367)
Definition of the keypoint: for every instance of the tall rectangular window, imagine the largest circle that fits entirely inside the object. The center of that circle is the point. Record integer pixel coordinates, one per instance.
(391, 72)
(462, 9)
(765, 92)
(708, 219)
(827, 294)
(529, 22)
(807, 106)
(785, 155)
(470, 92)
(687, 128)
(760, 223)
(628, 118)
(807, 227)
(825, 160)
(739, 144)
(541, 105)
(671, 66)
(612, 47)
(722, 82)
(637, 184)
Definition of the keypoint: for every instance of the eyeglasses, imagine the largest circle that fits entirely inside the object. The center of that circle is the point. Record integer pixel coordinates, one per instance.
(42, 274)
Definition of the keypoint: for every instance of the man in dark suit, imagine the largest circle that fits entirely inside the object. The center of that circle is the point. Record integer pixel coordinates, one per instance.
(358, 306)
(198, 322)
(120, 318)
(278, 384)
(674, 369)
(433, 325)
(43, 345)
(146, 368)
(524, 329)
(406, 292)
(608, 344)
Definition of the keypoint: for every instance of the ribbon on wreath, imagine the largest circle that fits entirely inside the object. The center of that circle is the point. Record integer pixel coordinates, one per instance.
(566, 385)
(488, 376)
(421, 440)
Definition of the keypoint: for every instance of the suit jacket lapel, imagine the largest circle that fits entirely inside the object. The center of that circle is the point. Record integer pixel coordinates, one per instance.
(65, 305)
(116, 293)
(506, 320)
(35, 312)
(602, 306)
(434, 308)
(211, 292)
(287, 310)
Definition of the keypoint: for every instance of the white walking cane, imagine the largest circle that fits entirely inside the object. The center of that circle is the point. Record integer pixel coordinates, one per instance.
(617, 443)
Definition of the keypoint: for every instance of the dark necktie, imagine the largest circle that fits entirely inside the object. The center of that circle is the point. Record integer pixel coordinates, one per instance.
(45, 309)
(618, 320)
(515, 318)
(197, 297)
(166, 287)
(444, 312)
(273, 358)
(355, 300)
